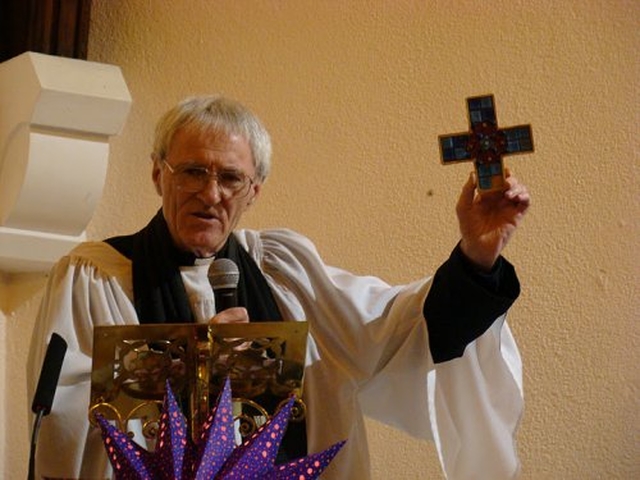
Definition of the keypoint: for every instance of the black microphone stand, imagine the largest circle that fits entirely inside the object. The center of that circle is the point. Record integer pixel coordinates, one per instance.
(34, 442)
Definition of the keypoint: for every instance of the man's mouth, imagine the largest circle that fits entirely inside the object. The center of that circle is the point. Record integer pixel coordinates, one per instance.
(206, 216)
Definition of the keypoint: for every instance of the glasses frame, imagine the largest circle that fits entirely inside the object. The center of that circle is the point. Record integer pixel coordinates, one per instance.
(213, 175)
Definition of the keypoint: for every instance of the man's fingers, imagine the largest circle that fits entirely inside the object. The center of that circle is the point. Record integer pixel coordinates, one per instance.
(231, 315)
(516, 191)
(468, 191)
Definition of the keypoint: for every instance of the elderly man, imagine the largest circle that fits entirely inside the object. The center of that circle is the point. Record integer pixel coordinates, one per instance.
(433, 357)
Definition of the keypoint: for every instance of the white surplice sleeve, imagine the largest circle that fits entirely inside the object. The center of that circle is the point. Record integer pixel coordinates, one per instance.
(79, 295)
(369, 354)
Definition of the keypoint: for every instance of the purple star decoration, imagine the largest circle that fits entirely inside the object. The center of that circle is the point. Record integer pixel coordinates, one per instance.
(215, 456)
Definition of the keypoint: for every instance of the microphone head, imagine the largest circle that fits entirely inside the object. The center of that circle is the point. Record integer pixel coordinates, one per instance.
(49, 375)
(223, 274)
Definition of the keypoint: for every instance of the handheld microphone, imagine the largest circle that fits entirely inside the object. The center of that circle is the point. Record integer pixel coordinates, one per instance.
(46, 390)
(224, 276)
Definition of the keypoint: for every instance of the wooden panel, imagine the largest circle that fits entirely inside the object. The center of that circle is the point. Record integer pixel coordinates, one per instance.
(54, 27)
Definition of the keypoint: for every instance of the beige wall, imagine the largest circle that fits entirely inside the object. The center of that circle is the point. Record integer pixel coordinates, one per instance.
(355, 95)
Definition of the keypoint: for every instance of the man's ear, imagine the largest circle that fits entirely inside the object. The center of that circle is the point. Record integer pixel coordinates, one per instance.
(255, 193)
(156, 174)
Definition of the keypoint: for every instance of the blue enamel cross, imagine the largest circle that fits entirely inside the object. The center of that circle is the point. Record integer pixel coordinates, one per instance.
(485, 143)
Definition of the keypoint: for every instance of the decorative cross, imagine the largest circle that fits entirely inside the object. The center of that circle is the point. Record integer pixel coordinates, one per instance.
(485, 143)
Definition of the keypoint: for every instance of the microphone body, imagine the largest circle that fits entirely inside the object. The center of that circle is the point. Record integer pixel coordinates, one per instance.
(224, 276)
(45, 391)
(49, 375)
(225, 298)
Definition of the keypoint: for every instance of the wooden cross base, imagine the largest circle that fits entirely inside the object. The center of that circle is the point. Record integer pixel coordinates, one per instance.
(485, 143)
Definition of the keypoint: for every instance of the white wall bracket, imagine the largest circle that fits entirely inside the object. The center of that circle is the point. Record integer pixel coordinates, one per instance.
(56, 117)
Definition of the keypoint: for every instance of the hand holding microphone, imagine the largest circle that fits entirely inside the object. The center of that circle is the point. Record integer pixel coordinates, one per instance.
(231, 315)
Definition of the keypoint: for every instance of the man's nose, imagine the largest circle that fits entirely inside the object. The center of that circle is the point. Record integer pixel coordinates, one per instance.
(211, 191)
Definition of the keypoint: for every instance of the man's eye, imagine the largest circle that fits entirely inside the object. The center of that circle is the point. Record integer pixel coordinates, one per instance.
(195, 172)
(230, 178)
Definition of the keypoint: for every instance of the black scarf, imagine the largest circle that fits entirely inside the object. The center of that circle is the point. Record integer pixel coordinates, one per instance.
(158, 291)
(160, 297)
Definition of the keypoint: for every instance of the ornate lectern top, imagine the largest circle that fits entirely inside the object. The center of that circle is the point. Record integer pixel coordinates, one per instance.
(131, 365)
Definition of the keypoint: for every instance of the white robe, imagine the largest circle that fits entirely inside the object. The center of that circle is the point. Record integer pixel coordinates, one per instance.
(368, 354)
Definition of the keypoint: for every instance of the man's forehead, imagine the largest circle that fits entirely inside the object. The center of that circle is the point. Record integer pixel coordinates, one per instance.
(200, 141)
(208, 137)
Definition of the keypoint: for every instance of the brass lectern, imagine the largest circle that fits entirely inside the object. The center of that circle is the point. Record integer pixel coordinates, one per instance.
(131, 364)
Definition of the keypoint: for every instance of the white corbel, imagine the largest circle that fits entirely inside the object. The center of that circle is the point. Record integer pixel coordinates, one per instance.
(56, 117)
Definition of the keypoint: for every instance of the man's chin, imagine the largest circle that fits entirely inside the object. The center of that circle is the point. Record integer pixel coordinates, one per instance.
(206, 247)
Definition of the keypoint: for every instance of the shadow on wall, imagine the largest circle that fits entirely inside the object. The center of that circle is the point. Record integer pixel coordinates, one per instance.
(18, 288)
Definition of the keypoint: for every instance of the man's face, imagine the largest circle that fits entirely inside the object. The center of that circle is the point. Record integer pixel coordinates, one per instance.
(200, 222)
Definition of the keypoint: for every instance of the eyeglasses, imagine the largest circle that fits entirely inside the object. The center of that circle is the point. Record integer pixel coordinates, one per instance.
(192, 178)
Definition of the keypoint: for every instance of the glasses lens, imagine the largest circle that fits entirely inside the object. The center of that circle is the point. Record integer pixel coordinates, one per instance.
(232, 182)
(191, 178)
